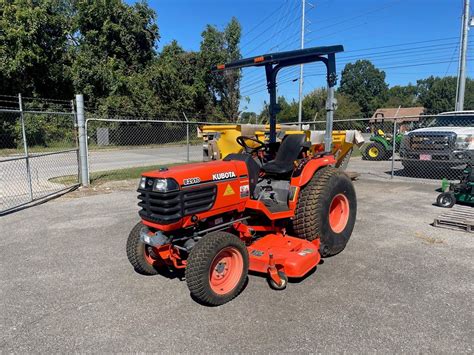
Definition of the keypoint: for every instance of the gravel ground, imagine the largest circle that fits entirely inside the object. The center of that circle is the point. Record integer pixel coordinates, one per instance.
(401, 285)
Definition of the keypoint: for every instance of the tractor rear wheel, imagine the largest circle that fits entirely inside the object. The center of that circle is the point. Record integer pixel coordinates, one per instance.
(375, 151)
(446, 200)
(217, 268)
(326, 209)
(139, 254)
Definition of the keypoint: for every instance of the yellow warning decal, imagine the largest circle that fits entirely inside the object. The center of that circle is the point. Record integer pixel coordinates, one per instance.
(228, 190)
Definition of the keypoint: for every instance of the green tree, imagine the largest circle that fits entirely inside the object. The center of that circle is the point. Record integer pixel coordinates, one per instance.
(288, 110)
(114, 40)
(437, 94)
(404, 96)
(346, 108)
(248, 117)
(172, 78)
(219, 47)
(33, 48)
(365, 84)
(314, 108)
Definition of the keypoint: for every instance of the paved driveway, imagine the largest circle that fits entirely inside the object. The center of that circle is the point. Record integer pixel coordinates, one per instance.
(401, 285)
(100, 160)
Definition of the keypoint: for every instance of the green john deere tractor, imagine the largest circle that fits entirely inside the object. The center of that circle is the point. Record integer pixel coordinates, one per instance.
(381, 144)
(462, 192)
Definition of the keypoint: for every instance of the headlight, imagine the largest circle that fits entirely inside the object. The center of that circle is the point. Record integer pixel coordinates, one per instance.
(165, 185)
(463, 141)
(142, 183)
(160, 185)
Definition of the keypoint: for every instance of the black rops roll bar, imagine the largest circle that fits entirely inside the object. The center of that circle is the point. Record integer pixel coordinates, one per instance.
(273, 62)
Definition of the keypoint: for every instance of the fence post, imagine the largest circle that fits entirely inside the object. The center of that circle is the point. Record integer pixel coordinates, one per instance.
(187, 137)
(84, 166)
(25, 146)
(394, 141)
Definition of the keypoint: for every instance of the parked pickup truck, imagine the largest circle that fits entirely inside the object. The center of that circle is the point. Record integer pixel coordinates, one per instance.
(447, 142)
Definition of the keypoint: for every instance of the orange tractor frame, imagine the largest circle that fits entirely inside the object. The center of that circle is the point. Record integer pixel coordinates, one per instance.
(275, 209)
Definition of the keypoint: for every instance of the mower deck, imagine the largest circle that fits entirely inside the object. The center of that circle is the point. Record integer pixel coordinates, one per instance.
(294, 257)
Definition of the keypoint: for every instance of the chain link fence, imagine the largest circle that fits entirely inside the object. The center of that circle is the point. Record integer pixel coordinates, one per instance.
(38, 155)
(424, 148)
(39, 149)
(125, 143)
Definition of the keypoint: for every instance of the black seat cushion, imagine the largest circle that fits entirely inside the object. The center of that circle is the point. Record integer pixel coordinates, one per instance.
(290, 149)
(252, 167)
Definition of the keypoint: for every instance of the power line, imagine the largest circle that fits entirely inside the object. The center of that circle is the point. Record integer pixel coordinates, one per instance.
(282, 21)
(382, 68)
(265, 19)
(349, 19)
(402, 44)
(259, 35)
(407, 53)
(267, 39)
(390, 4)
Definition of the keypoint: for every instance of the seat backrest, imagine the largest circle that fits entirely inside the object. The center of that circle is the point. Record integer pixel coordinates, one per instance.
(290, 148)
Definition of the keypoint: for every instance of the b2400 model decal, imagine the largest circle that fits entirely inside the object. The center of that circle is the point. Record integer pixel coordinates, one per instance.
(191, 181)
(223, 176)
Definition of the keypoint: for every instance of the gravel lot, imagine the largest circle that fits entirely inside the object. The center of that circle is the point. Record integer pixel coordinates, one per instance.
(401, 285)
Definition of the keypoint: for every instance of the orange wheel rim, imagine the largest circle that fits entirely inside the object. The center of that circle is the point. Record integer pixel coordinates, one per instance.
(339, 213)
(226, 270)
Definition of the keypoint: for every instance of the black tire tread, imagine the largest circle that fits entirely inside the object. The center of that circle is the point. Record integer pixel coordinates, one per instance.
(135, 252)
(380, 147)
(309, 228)
(451, 195)
(198, 264)
(308, 222)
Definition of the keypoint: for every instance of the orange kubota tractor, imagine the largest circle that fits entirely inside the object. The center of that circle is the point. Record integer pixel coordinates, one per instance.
(274, 209)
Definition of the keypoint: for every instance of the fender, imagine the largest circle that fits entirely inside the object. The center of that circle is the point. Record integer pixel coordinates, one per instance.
(308, 169)
(382, 141)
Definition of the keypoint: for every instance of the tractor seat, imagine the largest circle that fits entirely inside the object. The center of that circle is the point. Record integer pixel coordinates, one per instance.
(290, 148)
(252, 167)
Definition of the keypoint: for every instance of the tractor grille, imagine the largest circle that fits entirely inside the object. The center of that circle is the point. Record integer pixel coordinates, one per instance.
(169, 207)
(432, 141)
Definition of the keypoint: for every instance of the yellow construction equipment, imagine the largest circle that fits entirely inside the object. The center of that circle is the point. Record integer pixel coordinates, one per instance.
(220, 140)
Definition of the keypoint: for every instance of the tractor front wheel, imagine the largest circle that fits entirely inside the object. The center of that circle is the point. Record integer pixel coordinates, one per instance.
(217, 268)
(326, 209)
(141, 255)
(446, 200)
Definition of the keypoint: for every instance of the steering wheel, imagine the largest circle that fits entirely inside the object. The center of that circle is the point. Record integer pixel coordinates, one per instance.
(241, 140)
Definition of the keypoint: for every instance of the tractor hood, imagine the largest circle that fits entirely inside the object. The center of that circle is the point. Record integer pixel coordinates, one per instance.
(198, 173)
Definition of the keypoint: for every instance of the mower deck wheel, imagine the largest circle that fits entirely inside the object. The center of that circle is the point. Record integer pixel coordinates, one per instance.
(139, 254)
(217, 268)
(283, 283)
(446, 200)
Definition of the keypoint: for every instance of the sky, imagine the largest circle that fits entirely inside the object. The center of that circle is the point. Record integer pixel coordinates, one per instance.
(408, 39)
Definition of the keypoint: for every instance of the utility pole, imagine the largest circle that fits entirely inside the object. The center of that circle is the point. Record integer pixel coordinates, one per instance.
(462, 59)
(300, 107)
